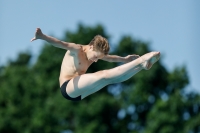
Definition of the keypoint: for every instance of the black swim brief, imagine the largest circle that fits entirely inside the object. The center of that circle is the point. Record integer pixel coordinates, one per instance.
(64, 93)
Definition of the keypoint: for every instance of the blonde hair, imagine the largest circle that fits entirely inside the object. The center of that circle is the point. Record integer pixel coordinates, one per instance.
(100, 44)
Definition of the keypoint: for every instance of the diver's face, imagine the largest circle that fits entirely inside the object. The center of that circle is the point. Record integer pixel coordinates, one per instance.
(94, 56)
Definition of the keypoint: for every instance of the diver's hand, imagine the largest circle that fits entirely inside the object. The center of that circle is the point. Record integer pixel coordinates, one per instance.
(38, 34)
(130, 58)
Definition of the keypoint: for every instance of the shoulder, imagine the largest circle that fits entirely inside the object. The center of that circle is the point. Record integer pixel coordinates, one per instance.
(76, 48)
(107, 56)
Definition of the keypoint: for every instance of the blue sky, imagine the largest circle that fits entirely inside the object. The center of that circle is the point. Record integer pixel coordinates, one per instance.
(171, 27)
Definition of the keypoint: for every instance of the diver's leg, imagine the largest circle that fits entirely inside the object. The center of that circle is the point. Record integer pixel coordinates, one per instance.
(87, 84)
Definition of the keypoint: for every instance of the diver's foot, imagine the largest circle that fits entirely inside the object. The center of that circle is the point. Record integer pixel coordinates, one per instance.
(149, 59)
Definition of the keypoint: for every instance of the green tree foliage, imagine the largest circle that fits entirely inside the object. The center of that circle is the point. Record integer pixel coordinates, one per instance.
(152, 101)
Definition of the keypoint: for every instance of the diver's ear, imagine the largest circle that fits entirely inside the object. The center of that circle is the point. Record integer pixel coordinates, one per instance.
(91, 47)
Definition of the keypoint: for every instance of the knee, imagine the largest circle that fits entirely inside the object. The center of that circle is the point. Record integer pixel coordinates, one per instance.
(103, 74)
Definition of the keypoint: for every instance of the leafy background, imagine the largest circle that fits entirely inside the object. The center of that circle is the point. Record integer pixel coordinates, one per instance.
(153, 101)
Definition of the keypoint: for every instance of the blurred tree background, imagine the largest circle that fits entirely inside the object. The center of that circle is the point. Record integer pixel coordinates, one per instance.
(153, 101)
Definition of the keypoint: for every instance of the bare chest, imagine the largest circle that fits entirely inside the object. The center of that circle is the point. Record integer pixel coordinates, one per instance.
(75, 63)
(80, 62)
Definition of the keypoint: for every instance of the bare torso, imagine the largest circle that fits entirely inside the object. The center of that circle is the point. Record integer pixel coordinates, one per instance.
(73, 64)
